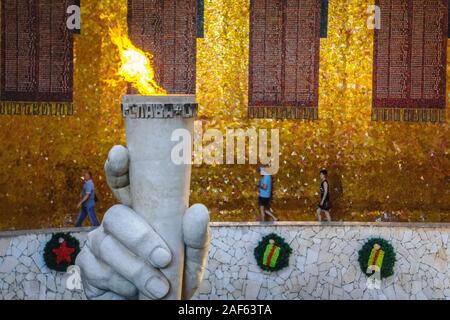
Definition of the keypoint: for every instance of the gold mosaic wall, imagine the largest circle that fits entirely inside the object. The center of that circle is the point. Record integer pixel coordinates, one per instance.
(396, 167)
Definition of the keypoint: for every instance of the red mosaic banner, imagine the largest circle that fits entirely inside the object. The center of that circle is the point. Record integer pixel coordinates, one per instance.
(284, 58)
(167, 29)
(36, 51)
(410, 59)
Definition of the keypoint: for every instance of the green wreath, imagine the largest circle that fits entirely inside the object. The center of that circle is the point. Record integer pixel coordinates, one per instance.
(272, 253)
(377, 253)
(61, 251)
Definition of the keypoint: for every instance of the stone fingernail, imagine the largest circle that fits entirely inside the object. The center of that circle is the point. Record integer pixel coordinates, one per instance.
(158, 287)
(160, 257)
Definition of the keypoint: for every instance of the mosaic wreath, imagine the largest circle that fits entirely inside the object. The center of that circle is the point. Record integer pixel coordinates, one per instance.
(375, 253)
(61, 251)
(272, 253)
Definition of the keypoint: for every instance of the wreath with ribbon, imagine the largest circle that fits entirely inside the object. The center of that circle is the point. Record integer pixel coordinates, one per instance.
(377, 255)
(272, 253)
(61, 251)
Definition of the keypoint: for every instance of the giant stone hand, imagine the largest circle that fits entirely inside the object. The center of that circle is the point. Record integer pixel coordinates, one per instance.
(125, 257)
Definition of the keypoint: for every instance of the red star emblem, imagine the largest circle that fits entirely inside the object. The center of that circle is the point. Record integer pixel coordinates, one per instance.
(63, 253)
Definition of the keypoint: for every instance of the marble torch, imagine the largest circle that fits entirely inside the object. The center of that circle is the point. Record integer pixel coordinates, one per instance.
(159, 187)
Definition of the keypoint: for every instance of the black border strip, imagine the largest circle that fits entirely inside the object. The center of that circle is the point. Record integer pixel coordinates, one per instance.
(324, 19)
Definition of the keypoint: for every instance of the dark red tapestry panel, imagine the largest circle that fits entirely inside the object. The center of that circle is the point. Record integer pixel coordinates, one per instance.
(167, 29)
(284, 58)
(36, 51)
(410, 58)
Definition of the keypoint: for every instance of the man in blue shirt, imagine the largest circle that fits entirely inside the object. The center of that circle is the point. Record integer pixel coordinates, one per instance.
(87, 202)
(265, 194)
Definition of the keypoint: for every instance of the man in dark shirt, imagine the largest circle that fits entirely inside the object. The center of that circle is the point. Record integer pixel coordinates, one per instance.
(87, 202)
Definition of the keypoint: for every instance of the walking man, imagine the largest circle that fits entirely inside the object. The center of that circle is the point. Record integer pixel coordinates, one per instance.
(87, 202)
(324, 204)
(265, 194)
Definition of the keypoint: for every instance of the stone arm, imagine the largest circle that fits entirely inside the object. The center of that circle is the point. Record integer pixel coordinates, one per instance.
(124, 256)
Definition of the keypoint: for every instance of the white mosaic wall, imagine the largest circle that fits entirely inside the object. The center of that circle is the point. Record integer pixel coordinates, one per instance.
(23, 273)
(323, 264)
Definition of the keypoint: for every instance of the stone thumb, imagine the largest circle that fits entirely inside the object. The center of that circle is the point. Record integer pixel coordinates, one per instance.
(196, 235)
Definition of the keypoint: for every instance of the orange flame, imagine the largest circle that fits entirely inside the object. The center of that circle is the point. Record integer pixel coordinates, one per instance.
(136, 66)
